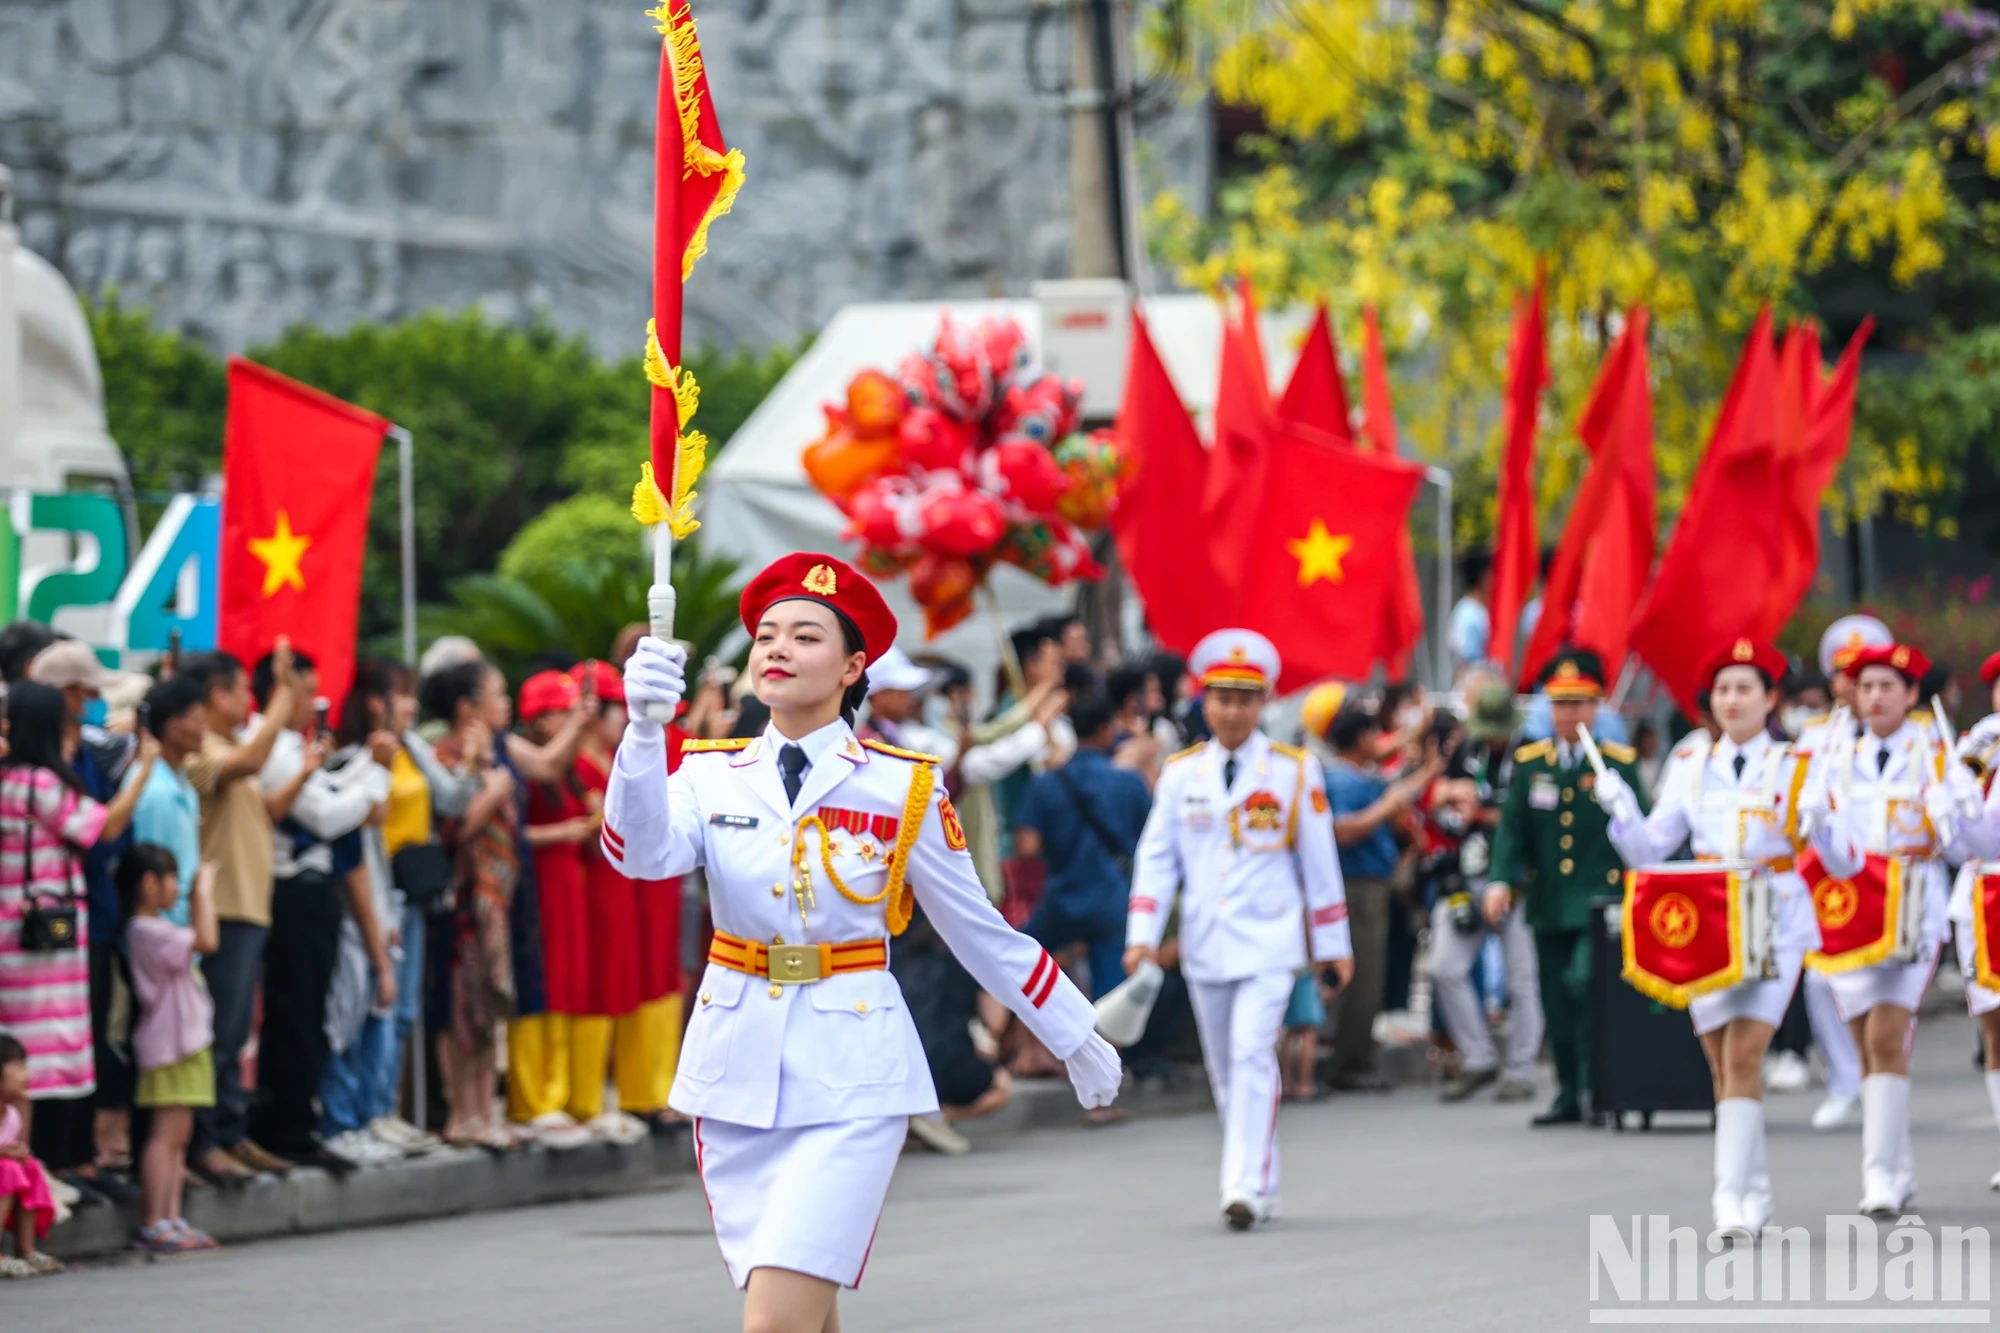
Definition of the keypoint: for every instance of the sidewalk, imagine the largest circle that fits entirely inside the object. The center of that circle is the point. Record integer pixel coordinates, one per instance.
(461, 1180)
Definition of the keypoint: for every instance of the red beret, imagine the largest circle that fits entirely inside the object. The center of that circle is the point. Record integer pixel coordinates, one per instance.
(1743, 652)
(1906, 659)
(610, 685)
(1989, 671)
(830, 582)
(547, 692)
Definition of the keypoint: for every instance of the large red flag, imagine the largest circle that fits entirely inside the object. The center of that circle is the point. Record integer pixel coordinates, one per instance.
(1805, 474)
(1406, 598)
(1716, 577)
(1315, 396)
(1590, 603)
(1517, 540)
(1158, 520)
(298, 469)
(1243, 412)
(1324, 559)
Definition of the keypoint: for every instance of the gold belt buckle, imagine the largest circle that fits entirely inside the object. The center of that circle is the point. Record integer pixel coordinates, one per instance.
(793, 964)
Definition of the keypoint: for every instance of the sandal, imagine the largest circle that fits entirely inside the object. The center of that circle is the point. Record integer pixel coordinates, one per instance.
(164, 1238)
(199, 1239)
(11, 1268)
(45, 1264)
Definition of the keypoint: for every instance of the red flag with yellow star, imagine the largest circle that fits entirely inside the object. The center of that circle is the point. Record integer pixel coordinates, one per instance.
(298, 469)
(1323, 560)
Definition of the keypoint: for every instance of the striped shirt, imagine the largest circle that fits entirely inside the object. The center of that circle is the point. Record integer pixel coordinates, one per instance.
(45, 997)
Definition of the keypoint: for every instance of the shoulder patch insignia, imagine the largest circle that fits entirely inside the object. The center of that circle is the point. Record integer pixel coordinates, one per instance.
(702, 745)
(1534, 750)
(1319, 804)
(1297, 752)
(1684, 752)
(1624, 754)
(1188, 753)
(954, 832)
(896, 752)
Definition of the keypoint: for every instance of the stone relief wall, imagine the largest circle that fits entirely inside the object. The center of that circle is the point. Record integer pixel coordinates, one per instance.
(241, 165)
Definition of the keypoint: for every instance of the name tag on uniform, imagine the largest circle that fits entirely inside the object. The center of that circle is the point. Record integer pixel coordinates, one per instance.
(1198, 813)
(734, 821)
(1542, 794)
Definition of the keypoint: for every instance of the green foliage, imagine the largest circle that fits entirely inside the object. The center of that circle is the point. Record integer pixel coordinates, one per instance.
(580, 606)
(163, 397)
(587, 528)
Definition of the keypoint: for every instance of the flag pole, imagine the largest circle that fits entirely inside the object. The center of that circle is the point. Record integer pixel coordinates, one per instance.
(406, 487)
(1441, 478)
(669, 169)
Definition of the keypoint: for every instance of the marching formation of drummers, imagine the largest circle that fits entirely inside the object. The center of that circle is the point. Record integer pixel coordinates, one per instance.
(1831, 856)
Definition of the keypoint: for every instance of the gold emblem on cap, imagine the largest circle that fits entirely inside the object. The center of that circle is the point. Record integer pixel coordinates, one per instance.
(820, 581)
(1900, 658)
(1567, 671)
(1743, 652)
(1237, 654)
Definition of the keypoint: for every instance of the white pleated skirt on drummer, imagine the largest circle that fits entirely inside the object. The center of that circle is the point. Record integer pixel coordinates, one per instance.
(805, 1198)
(1978, 999)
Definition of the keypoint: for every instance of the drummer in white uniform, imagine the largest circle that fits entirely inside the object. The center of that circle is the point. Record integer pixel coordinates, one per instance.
(1730, 798)
(801, 1066)
(1881, 793)
(1242, 832)
(1979, 751)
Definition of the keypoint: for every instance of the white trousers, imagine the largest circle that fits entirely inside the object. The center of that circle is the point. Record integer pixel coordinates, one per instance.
(1453, 956)
(1830, 1034)
(1239, 1023)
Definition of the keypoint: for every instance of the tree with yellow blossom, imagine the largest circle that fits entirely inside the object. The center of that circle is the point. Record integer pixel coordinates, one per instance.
(1704, 157)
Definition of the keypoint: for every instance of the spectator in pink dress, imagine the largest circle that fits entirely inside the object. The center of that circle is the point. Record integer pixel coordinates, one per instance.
(175, 1033)
(26, 1208)
(46, 824)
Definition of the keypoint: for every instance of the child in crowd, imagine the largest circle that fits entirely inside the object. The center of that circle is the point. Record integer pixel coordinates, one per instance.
(25, 1204)
(174, 1034)
(1305, 1017)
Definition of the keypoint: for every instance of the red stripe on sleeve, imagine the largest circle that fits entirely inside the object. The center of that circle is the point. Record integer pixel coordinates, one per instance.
(1145, 905)
(1326, 916)
(1048, 986)
(1043, 965)
(611, 836)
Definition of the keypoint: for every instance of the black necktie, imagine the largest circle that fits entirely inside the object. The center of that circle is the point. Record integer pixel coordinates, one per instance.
(793, 764)
(1737, 764)
(1882, 760)
(1229, 772)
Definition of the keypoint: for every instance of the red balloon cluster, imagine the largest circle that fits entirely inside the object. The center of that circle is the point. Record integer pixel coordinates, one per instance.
(968, 457)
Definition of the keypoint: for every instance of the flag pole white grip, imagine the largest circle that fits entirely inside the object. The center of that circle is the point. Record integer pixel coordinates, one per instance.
(660, 605)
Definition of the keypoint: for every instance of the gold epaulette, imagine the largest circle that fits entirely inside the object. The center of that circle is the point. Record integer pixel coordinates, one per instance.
(701, 745)
(1624, 754)
(914, 756)
(1188, 753)
(1297, 752)
(1534, 750)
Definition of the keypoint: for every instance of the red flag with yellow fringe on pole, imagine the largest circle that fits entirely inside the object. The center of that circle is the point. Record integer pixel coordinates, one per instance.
(696, 176)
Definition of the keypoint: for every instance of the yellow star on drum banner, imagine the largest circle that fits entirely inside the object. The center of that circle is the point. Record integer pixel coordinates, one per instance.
(1319, 554)
(281, 553)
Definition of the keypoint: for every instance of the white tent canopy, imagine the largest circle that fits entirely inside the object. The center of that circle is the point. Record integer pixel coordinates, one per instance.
(758, 505)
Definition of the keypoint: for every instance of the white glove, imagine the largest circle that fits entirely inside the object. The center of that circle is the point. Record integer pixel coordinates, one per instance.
(656, 673)
(1615, 795)
(1984, 732)
(1942, 806)
(1095, 1072)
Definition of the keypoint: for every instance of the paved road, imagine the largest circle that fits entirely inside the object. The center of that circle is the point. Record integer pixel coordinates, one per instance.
(1401, 1214)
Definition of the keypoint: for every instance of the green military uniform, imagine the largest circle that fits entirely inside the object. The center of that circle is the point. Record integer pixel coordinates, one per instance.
(1553, 849)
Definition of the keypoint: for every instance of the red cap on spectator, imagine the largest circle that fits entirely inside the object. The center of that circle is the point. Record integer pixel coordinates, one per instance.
(827, 580)
(610, 685)
(1989, 671)
(1744, 652)
(1906, 659)
(547, 692)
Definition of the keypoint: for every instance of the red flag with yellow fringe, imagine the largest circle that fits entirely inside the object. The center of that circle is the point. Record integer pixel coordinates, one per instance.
(1986, 930)
(1683, 931)
(1857, 917)
(696, 176)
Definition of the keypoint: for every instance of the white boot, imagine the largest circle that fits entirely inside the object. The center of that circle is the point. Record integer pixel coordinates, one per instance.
(1993, 1096)
(1734, 1143)
(1885, 1138)
(1757, 1200)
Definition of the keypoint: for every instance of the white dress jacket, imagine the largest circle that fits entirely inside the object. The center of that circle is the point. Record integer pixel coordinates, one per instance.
(842, 1048)
(1253, 863)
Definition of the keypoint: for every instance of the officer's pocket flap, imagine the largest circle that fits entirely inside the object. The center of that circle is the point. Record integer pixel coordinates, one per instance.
(857, 994)
(722, 988)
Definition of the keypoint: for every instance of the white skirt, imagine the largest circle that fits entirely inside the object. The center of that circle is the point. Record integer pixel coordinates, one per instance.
(1978, 999)
(806, 1199)
(1857, 991)
(1763, 1000)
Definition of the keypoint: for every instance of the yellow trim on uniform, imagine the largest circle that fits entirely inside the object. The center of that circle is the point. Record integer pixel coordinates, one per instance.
(1297, 752)
(701, 745)
(756, 959)
(1236, 677)
(1569, 691)
(1983, 969)
(1619, 751)
(1666, 992)
(914, 756)
(1801, 760)
(1188, 753)
(1534, 750)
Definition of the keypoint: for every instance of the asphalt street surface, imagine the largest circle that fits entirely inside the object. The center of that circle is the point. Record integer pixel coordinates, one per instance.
(1400, 1213)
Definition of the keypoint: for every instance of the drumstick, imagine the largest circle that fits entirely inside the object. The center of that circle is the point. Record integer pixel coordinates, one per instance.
(1590, 750)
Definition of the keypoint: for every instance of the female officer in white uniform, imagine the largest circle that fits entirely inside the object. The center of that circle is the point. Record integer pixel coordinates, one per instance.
(1732, 798)
(801, 1066)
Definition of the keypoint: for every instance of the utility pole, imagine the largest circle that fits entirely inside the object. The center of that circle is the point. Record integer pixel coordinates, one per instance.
(1098, 146)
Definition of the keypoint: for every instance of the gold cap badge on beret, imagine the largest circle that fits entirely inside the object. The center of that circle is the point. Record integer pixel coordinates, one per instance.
(821, 581)
(1743, 651)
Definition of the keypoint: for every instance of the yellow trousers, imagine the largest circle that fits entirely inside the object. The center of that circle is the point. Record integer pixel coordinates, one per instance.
(558, 1062)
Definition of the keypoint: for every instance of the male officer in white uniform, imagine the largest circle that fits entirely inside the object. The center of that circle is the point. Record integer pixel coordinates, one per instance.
(1242, 825)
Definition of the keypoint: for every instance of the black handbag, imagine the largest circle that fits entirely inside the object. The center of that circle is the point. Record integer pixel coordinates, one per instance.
(49, 922)
(423, 872)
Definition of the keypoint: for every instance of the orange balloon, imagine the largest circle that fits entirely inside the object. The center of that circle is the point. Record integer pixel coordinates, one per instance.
(875, 405)
(839, 464)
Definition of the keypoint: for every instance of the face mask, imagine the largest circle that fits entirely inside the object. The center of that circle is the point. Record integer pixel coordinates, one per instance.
(1796, 717)
(95, 712)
